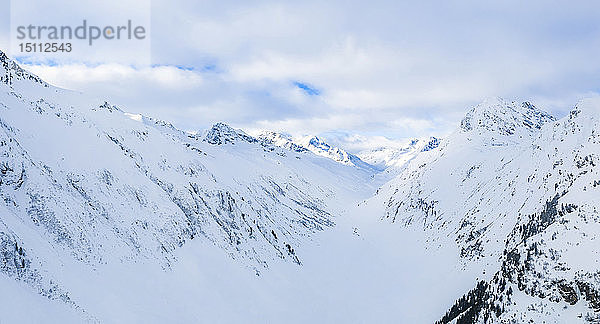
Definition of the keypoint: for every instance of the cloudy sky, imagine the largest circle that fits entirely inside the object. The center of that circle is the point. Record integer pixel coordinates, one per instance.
(379, 68)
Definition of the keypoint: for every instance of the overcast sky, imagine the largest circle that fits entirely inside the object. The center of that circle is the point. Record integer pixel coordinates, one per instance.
(376, 68)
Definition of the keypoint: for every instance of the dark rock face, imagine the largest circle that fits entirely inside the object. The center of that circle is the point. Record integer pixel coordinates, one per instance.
(10, 72)
(268, 139)
(470, 307)
(13, 260)
(432, 144)
(222, 133)
(588, 291)
(15, 263)
(568, 292)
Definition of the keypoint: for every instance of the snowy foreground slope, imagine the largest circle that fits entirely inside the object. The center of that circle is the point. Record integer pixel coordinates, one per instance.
(109, 217)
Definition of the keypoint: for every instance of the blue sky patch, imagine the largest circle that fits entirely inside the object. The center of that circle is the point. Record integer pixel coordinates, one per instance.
(308, 89)
(27, 60)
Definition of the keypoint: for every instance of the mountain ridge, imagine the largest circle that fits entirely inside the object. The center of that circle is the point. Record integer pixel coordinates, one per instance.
(110, 216)
(499, 116)
(86, 186)
(510, 212)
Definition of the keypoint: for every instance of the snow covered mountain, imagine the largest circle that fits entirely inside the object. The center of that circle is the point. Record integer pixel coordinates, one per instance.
(222, 133)
(513, 194)
(394, 158)
(320, 147)
(86, 187)
(317, 146)
(281, 140)
(385, 158)
(108, 216)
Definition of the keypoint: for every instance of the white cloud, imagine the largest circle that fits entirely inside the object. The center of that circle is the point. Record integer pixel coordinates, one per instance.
(386, 68)
(80, 76)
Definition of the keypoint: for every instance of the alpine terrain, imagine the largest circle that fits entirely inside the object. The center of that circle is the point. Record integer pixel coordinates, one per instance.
(110, 216)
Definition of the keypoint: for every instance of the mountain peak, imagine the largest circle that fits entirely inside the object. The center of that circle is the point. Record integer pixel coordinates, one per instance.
(221, 133)
(280, 140)
(10, 72)
(320, 147)
(503, 117)
(585, 116)
(588, 106)
(319, 143)
(395, 157)
(4, 57)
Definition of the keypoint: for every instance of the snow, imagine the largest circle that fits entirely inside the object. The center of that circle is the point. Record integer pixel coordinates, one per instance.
(19, 304)
(112, 216)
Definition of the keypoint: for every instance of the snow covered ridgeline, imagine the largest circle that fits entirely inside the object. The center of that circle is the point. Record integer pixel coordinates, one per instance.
(222, 133)
(505, 118)
(11, 72)
(96, 203)
(84, 185)
(389, 159)
(515, 194)
(392, 159)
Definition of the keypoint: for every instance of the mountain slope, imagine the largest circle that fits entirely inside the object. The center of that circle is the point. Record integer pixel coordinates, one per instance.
(108, 216)
(87, 187)
(511, 194)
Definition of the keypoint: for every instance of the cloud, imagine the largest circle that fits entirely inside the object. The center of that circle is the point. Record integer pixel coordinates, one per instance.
(81, 75)
(386, 68)
(355, 143)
